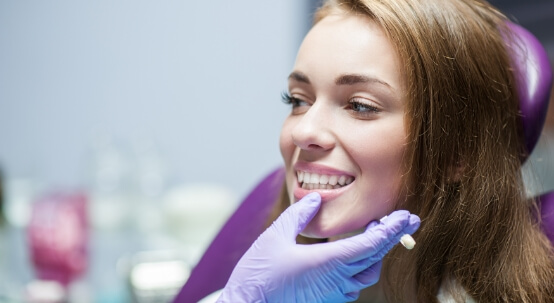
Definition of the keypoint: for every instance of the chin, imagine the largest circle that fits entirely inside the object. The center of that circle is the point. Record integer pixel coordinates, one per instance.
(315, 229)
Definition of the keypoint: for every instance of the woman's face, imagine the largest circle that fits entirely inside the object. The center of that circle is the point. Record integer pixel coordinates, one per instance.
(345, 136)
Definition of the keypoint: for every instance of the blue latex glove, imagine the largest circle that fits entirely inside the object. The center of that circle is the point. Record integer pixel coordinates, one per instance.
(277, 269)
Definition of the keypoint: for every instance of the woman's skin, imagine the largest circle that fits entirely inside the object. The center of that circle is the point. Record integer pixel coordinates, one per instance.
(347, 119)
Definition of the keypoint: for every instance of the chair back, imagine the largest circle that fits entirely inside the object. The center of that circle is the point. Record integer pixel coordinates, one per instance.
(533, 74)
(534, 81)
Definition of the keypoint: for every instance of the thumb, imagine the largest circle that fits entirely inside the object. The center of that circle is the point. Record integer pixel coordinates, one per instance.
(295, 218)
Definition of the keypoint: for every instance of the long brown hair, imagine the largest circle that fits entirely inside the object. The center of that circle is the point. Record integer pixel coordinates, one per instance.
(463, 161)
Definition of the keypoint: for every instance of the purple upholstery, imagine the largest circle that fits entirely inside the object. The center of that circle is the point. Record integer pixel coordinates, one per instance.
(534, 80)
(243, 227)
(546, 206)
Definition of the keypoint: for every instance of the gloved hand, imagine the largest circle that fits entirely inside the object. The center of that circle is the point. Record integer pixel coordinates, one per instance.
(277, 269)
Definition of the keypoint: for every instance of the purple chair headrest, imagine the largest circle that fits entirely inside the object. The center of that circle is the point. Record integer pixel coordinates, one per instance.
(534, 80)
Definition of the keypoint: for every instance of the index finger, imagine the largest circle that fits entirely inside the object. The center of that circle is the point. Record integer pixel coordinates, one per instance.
(378, 239)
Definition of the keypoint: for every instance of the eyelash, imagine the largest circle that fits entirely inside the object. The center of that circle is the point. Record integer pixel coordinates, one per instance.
(366, 109)
(290, 100)
(369, 109)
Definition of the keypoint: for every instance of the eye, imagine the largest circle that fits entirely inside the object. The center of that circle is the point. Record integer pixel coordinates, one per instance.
(296, 103)
(362, 109)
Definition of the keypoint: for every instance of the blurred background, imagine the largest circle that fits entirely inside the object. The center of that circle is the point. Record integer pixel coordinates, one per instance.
(139, 126)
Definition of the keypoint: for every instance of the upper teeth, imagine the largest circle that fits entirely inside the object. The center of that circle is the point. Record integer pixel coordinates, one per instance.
(323, 181)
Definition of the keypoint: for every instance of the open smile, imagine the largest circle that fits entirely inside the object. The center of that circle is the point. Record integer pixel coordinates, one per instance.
(311, 181)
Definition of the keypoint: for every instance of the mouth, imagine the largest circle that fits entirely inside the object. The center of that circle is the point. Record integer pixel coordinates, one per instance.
(309, 181)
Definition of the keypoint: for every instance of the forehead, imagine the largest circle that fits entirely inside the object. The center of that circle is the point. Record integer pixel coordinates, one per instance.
(344, 44)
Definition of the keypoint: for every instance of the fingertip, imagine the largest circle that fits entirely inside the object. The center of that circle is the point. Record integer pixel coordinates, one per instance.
(312, 198)
(402, 220)
(413, 224)
(414, 220)
(310, 201)
(302, 212)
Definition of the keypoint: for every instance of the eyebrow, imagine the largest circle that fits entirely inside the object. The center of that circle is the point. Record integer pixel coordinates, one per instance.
(351, 79)
(346, 79)
(300, 77)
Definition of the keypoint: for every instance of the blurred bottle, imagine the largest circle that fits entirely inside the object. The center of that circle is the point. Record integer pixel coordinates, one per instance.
(18, 195)
(57, 236)
(149, 181)
(108, 176)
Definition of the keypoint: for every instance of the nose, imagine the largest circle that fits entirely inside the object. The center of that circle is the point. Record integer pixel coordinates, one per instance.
(314, 129)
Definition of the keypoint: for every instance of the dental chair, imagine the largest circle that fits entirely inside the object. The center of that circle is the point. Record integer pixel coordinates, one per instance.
(534, 79)
(534, 76)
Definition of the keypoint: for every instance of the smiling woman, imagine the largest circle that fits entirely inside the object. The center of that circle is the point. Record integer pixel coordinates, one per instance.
(415, 103)
(402, 104)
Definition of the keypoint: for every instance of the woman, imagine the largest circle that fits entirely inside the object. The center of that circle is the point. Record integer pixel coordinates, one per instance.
(413, 104)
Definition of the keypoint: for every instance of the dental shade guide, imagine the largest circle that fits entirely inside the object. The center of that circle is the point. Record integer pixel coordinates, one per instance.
(406, 240)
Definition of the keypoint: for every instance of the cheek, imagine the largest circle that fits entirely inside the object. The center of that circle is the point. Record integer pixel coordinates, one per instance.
(286, 145)
(380, 160)
(381, 152)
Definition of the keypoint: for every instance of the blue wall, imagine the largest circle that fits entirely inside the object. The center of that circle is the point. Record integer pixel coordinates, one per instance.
(199, 81)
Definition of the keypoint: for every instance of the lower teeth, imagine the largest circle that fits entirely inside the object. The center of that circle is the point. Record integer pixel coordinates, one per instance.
(319, 186)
